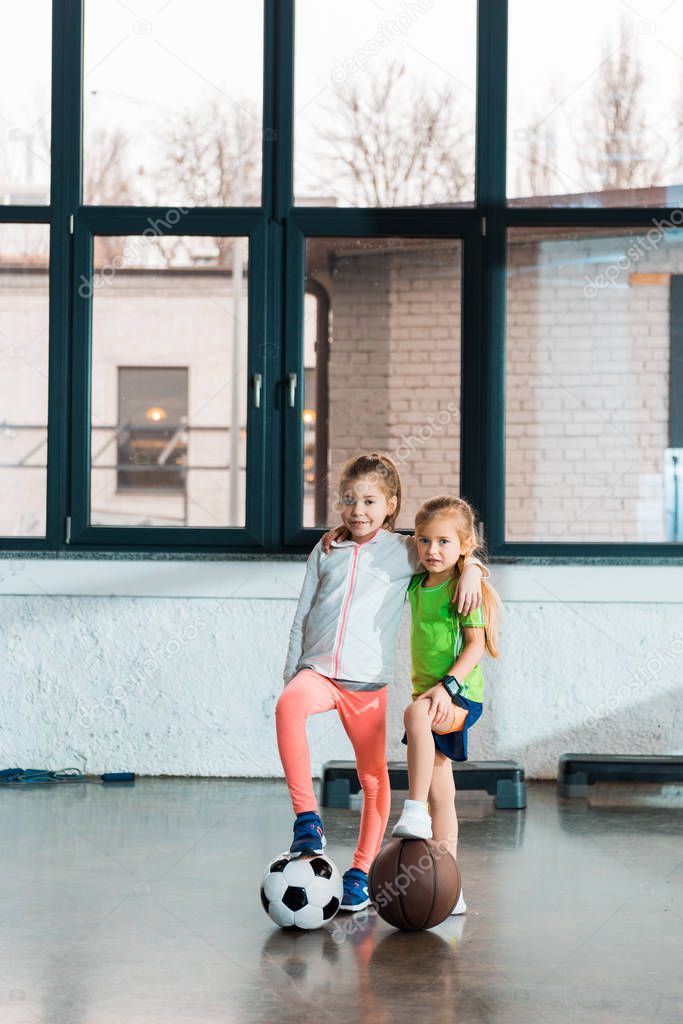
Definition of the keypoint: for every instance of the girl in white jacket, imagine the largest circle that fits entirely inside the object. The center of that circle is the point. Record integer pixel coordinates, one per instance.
(341, 654)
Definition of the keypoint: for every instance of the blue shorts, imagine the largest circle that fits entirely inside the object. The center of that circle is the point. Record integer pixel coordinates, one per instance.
(454, 744)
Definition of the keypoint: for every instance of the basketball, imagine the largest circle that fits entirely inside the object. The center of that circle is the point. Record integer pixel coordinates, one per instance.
(414, 883)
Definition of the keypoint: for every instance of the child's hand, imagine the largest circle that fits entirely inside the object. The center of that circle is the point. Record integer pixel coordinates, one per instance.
(337, 533)
(468, 592)
(440, 704)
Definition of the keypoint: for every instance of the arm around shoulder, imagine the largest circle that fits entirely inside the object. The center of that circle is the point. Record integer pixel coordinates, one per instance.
(468, 594)
(471, 560)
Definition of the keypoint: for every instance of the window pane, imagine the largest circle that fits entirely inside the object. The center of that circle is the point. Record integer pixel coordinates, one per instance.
(152, 444)
(24, 319)
(169, 381)
(384, 104)
(173, 103)
(594, 103)
(594, 418)
(381, 365)
(25, 63)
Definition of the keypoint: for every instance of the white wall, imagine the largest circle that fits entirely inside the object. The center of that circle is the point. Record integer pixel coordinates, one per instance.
(174, 667)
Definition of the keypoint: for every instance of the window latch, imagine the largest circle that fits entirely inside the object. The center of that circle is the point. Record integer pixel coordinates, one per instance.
(291, 389)
(257, 381)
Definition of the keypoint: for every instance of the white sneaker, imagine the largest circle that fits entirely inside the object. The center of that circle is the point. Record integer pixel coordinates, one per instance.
(414, 822)
(460, 907)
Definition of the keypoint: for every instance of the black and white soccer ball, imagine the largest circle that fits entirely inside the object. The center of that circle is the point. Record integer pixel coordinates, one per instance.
(301, 892)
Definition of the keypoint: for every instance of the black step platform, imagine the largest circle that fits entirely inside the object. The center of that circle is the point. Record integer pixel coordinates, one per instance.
(502, 779)
(576, 772)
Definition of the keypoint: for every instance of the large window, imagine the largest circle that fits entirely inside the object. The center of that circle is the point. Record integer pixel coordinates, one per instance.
(590, 454)
(594, 111)
(384, 371)
(168, 436)
(24, 323)
(242, 243)
(384, 103)
(25, 104)
(172, 100)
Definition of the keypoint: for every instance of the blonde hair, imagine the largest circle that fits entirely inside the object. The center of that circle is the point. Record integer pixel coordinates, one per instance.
(464, 521)
(382, 471)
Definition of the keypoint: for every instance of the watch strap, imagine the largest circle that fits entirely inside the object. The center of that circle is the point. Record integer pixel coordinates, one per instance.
(451, 686)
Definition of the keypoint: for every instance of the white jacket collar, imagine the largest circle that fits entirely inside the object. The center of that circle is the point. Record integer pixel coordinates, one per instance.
(353, 543)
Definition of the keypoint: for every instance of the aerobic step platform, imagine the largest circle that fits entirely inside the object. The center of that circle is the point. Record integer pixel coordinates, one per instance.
(576, 772)
(503, 780)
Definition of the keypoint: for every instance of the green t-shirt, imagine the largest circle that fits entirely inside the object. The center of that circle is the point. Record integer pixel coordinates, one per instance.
(436, 637)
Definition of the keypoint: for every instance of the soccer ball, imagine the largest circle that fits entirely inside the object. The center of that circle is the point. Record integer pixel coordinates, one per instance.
(301, 892)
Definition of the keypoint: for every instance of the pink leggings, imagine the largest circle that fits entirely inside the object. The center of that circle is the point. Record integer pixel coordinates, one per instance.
(363, 715)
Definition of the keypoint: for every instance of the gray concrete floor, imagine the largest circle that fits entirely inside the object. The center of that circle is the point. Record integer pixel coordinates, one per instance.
(141, 904)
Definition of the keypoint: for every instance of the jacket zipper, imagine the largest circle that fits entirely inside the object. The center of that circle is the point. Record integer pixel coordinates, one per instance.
(335, 656)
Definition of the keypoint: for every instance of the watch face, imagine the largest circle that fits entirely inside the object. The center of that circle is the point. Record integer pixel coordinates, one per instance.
(452, 685)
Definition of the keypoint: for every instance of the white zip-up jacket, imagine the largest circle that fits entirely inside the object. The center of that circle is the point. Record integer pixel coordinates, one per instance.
(349, 609)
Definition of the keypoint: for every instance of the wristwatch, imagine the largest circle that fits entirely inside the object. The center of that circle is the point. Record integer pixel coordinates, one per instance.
(452, 687)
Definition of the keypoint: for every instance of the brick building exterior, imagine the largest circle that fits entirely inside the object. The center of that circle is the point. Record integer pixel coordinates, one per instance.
(588, 378)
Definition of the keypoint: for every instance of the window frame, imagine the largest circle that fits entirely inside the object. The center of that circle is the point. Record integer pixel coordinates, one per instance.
(461, 225)
(95, 221)
(579, 550)
(276, 230)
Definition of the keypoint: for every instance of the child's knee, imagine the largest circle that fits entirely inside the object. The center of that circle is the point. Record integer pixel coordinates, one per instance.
(415, 713)
(287, 702)
(372, 779)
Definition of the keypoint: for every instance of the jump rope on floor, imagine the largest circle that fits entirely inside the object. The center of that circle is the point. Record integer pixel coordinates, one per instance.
(40, 776)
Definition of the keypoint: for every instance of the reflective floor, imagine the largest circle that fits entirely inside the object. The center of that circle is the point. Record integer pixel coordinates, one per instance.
(141, 904)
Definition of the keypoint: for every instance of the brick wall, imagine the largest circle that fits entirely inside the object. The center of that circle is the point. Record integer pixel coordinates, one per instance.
(587, 392)
(395, 367)
(587, 380)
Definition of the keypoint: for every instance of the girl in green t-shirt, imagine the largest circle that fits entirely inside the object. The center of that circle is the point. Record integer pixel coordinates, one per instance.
(445, 648)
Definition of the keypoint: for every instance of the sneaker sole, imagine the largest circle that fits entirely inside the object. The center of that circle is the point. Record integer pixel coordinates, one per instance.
(316, 852)
(356, 906)
(403, 832)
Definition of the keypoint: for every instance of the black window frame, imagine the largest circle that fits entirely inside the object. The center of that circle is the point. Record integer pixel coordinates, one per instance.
(275, 231)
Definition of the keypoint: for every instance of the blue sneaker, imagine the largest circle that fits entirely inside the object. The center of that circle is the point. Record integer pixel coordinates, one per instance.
(356, 894)
(308, 834)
